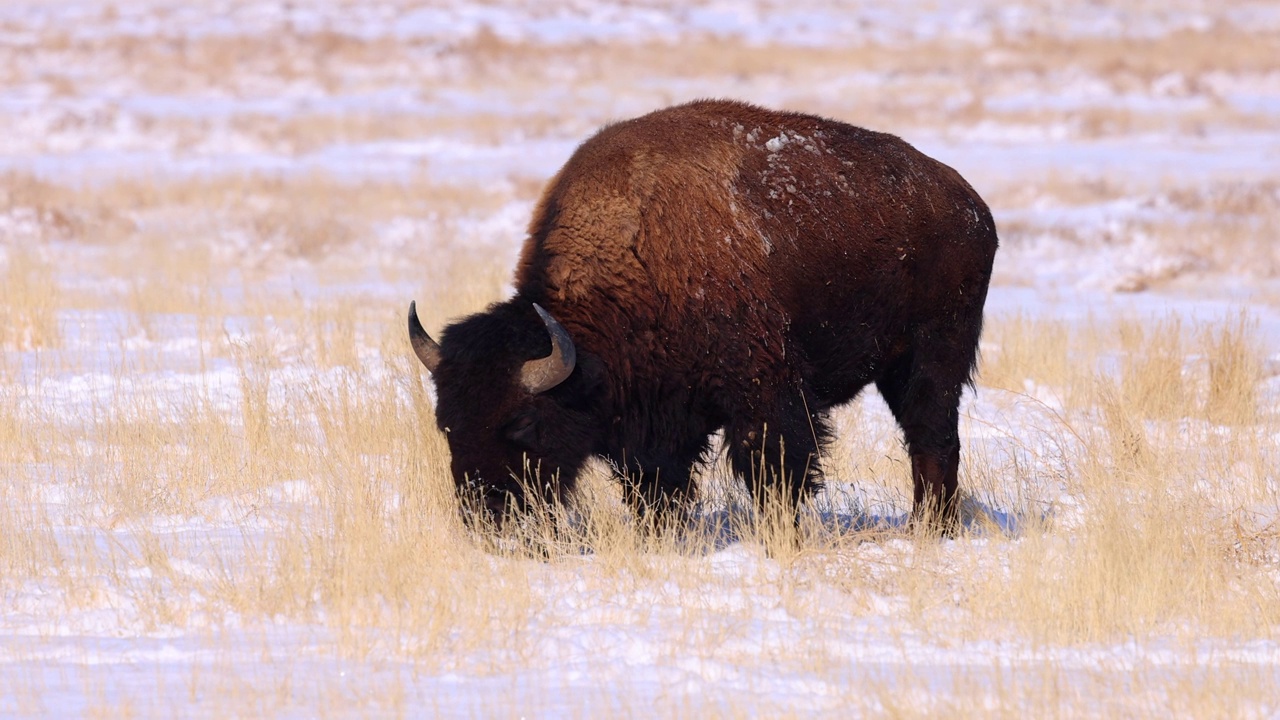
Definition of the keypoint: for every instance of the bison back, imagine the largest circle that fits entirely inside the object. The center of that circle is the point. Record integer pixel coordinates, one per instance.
(719, 230)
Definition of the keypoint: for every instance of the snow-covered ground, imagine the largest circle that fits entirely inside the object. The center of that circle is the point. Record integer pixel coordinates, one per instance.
(203, 199)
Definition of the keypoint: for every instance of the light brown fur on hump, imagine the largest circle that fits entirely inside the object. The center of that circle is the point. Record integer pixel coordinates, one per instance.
(589, 248)
(618, 215)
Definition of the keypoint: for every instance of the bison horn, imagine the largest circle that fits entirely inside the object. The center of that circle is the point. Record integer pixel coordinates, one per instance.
(427, 350)
(539, 376)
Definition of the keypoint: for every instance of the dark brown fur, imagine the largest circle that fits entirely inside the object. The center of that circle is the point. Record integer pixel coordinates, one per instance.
(723, 266)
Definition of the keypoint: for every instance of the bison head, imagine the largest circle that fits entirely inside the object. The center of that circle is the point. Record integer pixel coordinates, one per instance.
(514, 401)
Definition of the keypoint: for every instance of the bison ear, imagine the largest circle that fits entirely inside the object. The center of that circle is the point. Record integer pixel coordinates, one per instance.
(539, 376)
(427, 350)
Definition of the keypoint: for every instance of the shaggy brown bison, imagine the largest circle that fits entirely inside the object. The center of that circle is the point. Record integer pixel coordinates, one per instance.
(720, 266)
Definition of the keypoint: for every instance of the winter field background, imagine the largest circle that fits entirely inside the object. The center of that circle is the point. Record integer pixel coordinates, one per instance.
(222, 493)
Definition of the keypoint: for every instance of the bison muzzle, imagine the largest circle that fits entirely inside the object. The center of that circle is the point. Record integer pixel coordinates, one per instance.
(719, 266)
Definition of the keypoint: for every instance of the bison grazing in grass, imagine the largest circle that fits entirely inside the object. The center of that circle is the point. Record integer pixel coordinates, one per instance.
(720, 266)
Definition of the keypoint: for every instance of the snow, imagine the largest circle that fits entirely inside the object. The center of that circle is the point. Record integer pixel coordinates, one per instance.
(754, 635)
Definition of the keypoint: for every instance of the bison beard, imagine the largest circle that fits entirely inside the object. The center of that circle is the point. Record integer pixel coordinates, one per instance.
(719, 266)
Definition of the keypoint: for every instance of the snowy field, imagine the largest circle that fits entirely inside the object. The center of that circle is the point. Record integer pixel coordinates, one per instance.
(221, 489)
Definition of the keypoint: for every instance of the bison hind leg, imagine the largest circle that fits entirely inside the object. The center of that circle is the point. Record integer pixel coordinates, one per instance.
(922, 389)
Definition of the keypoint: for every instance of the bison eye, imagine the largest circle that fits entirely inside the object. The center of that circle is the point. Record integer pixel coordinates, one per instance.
(522, 430)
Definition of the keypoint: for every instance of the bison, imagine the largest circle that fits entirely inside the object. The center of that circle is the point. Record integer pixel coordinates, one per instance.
(720, 266)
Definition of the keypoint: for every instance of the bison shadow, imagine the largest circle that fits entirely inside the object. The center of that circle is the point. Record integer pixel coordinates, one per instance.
(718, 528)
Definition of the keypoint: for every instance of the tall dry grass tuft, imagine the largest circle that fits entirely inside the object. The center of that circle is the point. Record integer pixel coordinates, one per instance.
(29, 301)
(1153, 381)
(1123, 424)
(329, 332)
(1234, 364)
(255, 364)
(1021, 348)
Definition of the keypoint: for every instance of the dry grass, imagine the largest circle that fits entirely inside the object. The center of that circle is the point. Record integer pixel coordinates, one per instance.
(308, 459)
(214, 441)
(1167, 473)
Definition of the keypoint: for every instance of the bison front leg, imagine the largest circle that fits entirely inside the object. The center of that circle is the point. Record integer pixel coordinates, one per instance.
(778, 459)
(657, 490)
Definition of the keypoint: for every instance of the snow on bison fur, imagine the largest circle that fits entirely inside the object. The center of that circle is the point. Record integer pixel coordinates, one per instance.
(720, 266)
